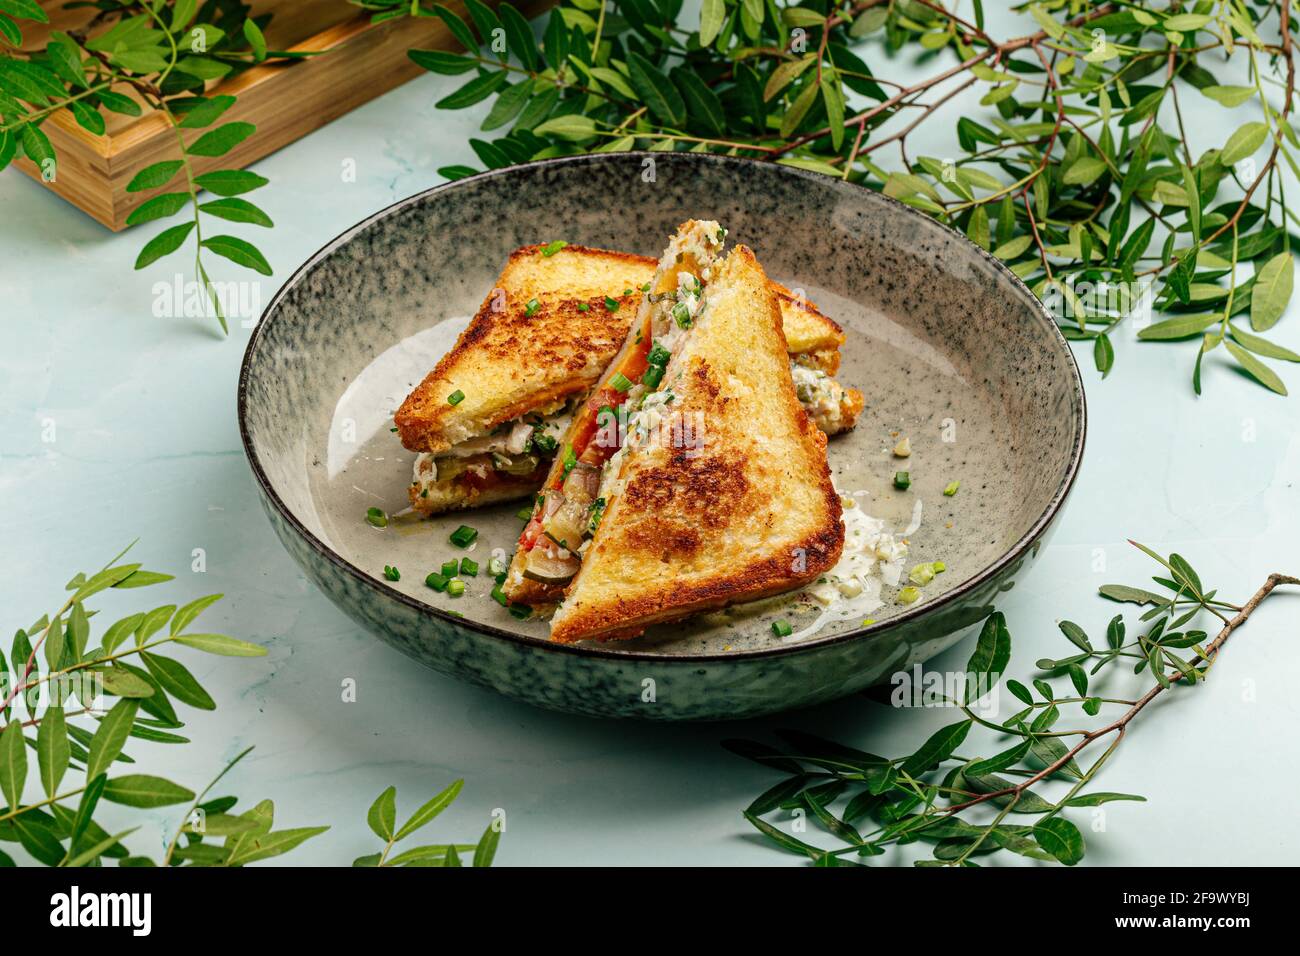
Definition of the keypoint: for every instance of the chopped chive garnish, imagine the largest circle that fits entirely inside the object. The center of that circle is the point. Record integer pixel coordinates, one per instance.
(570, 459)
(782, 628)
(627, 291)
(449, 568)
(620, 382)
(611, 304)
(546, 443)
(463, 536)
(653, 376)
(524, 514)
(455, 587)
(922, 574)
(902, 480)
(499, 596)
(456, 397)
(531, 307)
(436, 581)
(584, 307)
(377, 517)
(520, 612)
(659, 355)
(908, 595)
(496, 566)
(682, 315)
(722, 234)
(392, 573)
(952, 488)
(646, 287)
(551, 248)
(500, 578)
(469, 568)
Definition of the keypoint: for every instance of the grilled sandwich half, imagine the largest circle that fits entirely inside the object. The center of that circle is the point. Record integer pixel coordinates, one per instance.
(701, 481)
(489, 418)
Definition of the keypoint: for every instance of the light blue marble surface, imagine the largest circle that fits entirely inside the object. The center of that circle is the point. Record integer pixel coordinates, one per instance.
(145, 444)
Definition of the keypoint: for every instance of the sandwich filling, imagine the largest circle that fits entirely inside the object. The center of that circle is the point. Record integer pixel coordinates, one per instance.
(513, 451)
(623, 413)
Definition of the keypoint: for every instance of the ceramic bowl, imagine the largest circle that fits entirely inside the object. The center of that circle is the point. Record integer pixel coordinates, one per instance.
(951, 350)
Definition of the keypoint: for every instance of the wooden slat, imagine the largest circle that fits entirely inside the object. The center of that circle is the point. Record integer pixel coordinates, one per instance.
(284, 100)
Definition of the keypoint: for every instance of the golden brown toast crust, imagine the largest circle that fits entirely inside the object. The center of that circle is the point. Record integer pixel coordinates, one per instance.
(565, 347)
(678, 539)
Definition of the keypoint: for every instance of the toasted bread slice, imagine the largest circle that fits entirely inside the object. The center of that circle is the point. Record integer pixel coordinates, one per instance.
(544, 334)
(746, 512)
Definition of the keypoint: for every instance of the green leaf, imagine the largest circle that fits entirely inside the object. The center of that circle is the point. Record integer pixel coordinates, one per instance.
(142, 790)
(937, 748)
(430, 810)
(1262, 346)
(81, 823)
(277, 843)
(1179, 327)
(1257, 369)
(1007, 758)
(383, 814)
(486, 850)
(701, 102)
(458, 27)
(221, 140)
(26, 9)
(656, 90)
(117, 103)
(88, 118)
(1100, 797)
(1103, 354)
(39, 840)
(165, 243)
(1061, 838)
(1083, 171)
(1242, 143)
(712, 15)
(1229, 95)
(508, 104)
(253, 34)
(10, 31)
(441, 62)
(110, 737)
(237, 210)
(52, 750)
(783, 839)
(176, 679)
(571, 126)
(519, 35)
(1075, 635)
(159, 207)
(13, 763)
(221, 644)
(205, 112)
(230, 182)
(1129, 595)
(151, 177)
(475, 91)
(1271, 292)
(238, 251)
(989, 660)
(186, 615)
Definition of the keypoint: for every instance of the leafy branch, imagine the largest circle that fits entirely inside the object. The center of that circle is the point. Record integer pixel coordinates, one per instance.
(51, 710)
(961, 804)
(164, 53)
(1080, 177)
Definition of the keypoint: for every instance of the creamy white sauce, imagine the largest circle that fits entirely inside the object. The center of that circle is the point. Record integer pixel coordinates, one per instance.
(872, 558)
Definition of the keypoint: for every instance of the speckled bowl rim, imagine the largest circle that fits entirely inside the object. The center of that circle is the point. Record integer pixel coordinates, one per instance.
(1013, 554)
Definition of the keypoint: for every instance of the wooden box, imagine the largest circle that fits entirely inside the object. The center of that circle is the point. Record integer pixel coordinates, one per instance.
(285, 100)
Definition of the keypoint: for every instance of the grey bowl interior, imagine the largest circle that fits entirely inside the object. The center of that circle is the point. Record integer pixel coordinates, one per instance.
(949, 348)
